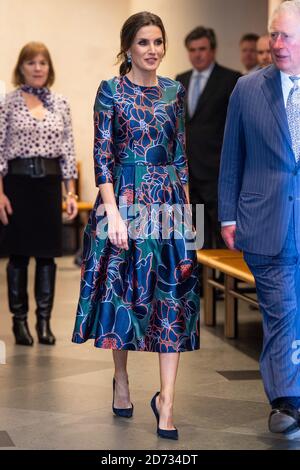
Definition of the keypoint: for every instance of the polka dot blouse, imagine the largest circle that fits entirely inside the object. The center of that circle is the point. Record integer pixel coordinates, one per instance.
(22, 135)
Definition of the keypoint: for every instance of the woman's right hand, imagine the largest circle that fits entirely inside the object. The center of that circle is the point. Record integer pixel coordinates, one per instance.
(5, 208)
(117, 230)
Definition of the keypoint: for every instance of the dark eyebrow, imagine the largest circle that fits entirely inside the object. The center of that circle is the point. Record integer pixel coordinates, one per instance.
(145, 39)
(197, 48)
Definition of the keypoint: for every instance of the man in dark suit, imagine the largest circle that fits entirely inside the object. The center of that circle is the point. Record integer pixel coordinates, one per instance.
(248, 52)
(259, 207)
(208, 86)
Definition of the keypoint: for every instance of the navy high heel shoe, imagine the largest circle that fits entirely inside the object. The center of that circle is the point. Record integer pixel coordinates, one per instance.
(164, 433)
(121, 412)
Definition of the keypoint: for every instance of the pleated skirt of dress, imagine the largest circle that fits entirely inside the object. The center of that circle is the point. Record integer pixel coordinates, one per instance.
(145, 298)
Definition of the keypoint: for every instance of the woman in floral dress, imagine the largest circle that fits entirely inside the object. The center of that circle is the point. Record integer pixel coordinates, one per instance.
(139, 286)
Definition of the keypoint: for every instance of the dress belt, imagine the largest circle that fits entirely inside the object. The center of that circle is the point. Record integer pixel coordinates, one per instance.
(143, 164)
(35, 167)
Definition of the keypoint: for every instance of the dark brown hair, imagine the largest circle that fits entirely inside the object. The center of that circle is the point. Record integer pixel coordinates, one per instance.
(253, 37)
(28, 52)
(199, 33)
(128, 32)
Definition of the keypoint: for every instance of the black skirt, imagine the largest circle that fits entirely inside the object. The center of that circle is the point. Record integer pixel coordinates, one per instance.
(35, 227)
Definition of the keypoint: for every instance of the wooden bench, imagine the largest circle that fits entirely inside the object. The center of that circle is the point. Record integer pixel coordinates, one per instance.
(234, 268)
(84, 208)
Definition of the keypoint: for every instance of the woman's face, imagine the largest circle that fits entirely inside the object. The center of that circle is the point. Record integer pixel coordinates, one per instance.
(35, 71)
(147, 49)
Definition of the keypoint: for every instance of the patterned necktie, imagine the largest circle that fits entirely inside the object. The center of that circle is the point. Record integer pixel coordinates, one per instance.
(293, 116)
(194, 93)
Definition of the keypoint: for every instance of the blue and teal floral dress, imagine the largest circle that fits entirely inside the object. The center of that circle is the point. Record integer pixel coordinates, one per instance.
(145, 298)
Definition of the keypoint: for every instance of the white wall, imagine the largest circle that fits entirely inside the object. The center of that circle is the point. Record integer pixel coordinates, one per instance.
(273, 4)
(83, 38)
(229, 18)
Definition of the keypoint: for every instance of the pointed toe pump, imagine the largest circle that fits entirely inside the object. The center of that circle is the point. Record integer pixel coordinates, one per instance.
(121, 412)
(164, 433)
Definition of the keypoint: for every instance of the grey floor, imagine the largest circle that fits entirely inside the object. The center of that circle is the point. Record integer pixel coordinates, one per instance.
(60, 397)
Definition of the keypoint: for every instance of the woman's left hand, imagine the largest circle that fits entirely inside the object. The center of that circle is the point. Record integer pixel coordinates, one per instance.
(71, 206)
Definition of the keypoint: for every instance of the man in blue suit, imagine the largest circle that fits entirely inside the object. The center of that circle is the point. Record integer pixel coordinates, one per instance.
(259, 206)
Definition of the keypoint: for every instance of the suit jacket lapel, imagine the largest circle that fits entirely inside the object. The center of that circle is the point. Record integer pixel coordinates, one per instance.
(186, 85)
(272, 90)
(209, 89)
(188, 80)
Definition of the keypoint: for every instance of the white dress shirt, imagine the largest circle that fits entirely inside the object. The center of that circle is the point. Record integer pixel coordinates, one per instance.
(205, 74)
(286, 85)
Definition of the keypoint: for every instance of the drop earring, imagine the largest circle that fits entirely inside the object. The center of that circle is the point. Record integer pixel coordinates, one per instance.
(128, 56)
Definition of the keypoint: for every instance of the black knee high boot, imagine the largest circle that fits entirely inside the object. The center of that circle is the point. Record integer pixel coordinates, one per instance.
(44, 296)
(18, 303)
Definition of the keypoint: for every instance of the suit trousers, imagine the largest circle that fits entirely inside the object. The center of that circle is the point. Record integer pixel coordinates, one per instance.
(206, 193)
(278, 290)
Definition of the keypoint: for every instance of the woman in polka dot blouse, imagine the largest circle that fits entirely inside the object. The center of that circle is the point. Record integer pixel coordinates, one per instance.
(36, 153)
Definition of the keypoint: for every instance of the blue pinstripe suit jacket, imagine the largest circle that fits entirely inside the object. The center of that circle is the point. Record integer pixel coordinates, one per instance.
(259, 179)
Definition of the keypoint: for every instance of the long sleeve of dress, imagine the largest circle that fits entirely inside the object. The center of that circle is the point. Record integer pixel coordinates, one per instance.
(180, 159)
(67, 159)
(3, 132)
(103, 137)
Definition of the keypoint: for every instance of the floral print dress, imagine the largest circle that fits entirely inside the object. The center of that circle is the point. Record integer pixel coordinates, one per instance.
(145, 298)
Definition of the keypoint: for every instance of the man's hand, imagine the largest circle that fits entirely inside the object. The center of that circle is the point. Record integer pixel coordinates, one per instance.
(228, 234)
